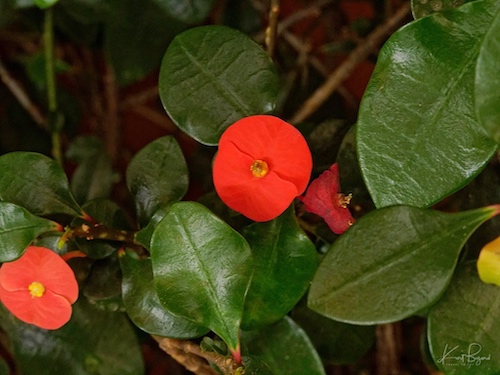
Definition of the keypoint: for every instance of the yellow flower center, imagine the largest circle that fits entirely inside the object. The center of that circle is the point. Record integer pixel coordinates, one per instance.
(259, 168)
(36, 289)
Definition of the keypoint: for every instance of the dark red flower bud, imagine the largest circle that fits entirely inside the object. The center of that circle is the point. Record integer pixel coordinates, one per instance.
(263, 163)
(324, 199)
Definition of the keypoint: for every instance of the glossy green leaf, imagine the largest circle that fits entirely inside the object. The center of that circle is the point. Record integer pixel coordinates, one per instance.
(463, 327)
(157, 175)
(93, 342)
(136, 35)
(103, 285)
(336, 342)
(94, 177)
(212, 76)
(144, 307)
(18, 229)
(422, 8)
(188, 11)
(284, 263)
(285, 348)
(392, 263)
(37, 183)
(417, 136)
(487, 94)
(201, 269)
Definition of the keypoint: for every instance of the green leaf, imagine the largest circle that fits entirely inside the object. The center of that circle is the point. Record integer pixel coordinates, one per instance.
(37, 183)
(44, 4)
(212, 76)
(463, 327)
(93, 178)
(136, 35)
(422, 8)
(103, 285)
(188, 11)
(18, 229)
(391, 264)
(417, 135)
(285, 348)
(143, 306)
(336, 342)
(487, 94)
(284, 263)
(157, 175)
(201, 269)
(93, 342)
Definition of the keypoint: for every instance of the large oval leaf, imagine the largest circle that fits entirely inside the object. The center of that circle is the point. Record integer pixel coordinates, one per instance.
(18, 228)
(201, 269)
(285, 348)
(93, 342)
(144, 307)
(336, 342)
(463, 327)
(157, 175)
(391, 263)
(487, 97)
(418, 139)
(284, 263)
(136, 34)
(212, 76)
(188, 11)
(37, 183)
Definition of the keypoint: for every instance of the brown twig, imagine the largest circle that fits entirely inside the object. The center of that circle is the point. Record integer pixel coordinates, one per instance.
(346, 68)
(388, 349)
(111, 123)
(194, 359)
(22, 97)
(272, 27)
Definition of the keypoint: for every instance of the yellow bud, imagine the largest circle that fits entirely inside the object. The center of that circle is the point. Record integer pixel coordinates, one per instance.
(488, 263)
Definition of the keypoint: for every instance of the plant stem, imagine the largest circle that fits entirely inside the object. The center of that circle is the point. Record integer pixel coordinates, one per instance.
(339, 75)
(272, 28)
(50, 75)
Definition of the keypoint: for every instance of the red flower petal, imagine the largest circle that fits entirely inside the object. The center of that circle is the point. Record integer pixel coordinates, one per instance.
(323, 199)
(42, 265)
(286, 153)
(52, 308)
(48, 312)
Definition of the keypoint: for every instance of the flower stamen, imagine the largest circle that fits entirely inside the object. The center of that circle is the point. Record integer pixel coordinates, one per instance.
(259, 168)
(36, 289)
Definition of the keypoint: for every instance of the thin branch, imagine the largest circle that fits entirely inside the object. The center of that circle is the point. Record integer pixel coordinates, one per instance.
(346, 68)
(388, 349)
(272, 27)
(22, 97)
(111, 123)
(190, 354)
(55, 120)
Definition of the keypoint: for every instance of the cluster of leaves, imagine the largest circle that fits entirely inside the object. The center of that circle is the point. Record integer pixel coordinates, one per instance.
(428, 125)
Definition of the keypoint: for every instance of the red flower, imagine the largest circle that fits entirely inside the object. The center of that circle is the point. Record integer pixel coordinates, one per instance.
(39, 288)
(263, 163)
(323, 199)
